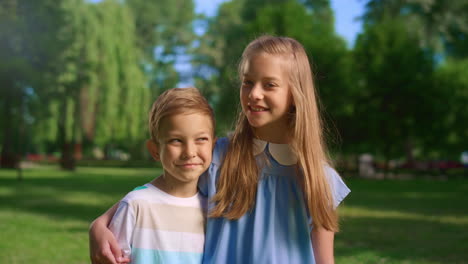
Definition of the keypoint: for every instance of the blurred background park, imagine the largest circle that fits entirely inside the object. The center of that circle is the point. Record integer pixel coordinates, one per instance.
(77, 79)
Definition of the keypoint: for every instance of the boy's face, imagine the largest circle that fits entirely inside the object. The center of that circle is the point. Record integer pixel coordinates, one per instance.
(185, 146)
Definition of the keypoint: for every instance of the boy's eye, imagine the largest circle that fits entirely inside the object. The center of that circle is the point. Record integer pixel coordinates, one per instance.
(202, 139)
(174, 140)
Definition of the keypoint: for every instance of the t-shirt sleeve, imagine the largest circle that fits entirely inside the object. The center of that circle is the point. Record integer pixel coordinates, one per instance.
(122, 226)
(338, 188)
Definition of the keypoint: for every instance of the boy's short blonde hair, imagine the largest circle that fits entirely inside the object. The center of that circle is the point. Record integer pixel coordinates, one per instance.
(178, 101)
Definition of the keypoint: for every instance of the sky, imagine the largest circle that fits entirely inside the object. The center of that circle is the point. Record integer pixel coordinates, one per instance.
(346, 13)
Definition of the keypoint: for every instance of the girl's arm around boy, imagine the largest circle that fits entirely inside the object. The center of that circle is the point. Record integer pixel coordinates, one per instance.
(105, 243)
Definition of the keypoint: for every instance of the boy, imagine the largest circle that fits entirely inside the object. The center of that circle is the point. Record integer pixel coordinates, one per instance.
(164, 220)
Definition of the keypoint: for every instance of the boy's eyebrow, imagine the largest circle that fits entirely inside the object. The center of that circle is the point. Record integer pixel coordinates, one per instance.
(202, 133)
(177, 134)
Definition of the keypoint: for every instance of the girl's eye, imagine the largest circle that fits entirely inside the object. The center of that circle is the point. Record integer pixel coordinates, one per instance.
(202, 139)
(247, 83)
(271, 85)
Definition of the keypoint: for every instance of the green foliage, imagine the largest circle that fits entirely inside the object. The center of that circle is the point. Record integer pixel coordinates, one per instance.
(451, 80)
(164, 32)
(79, 72)
(122, 98)
(395, 74)
(440, 25)
(28, 65)
(81, 78)
(440, 28)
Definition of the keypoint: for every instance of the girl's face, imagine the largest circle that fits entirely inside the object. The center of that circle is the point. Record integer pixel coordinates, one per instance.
(266, 97)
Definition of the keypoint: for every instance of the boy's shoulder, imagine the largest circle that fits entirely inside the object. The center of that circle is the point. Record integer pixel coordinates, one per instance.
(148, 195)
(142, 192)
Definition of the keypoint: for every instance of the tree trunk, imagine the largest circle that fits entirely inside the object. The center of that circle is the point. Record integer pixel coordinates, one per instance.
(67, 161)
(8, 157)
(386, 160)
(409, 150)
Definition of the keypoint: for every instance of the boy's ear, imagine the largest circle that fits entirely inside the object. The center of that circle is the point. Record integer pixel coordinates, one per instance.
(153, 149)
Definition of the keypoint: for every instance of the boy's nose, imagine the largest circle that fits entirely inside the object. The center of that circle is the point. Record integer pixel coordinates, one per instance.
(189, 151)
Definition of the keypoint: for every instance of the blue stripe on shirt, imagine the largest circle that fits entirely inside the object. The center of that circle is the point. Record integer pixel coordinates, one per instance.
(151, 256)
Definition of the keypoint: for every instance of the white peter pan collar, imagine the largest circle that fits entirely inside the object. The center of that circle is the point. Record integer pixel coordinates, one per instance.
(282, 153)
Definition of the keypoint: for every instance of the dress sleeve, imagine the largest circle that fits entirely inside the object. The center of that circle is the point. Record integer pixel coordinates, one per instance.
(207, 181)
(337, 186)
(203, 183)
(122, 226)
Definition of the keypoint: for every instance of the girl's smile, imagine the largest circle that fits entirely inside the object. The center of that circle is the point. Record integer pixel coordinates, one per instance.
(257, 109)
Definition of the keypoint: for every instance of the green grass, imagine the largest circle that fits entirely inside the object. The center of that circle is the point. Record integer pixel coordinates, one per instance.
(45, 218)
(412, 221)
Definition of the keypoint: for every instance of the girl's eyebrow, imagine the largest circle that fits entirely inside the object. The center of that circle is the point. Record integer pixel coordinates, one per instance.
(271, 79)
(268, 78)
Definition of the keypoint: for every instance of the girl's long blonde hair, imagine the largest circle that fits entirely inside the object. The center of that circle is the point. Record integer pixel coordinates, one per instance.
(239, 175)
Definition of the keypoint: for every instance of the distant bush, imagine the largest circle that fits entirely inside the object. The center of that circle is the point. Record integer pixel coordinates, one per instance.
(119, 163)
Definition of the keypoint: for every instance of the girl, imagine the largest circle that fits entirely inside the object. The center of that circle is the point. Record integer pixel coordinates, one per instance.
(273, 193)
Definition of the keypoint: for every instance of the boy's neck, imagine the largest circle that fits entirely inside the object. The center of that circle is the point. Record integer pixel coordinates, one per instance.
(177, 189)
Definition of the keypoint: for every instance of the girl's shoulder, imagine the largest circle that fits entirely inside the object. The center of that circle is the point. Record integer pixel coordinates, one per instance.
(220, 150)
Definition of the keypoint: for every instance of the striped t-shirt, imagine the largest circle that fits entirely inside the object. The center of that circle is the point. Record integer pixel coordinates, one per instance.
(155, 227)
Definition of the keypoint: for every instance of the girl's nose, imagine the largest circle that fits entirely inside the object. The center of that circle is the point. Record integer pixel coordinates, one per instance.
(256, 93)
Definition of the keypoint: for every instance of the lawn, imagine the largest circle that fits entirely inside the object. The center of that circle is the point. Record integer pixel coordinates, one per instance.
(44, 218)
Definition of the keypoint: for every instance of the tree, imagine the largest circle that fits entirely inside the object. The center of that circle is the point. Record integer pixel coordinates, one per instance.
(441, 25)
(450, 134)
(441, 30)
(26, 54)
(395, 75)
(164, 31)
(101, 88)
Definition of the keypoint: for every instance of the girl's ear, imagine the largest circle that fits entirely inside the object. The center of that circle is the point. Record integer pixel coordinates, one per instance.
(291, 97)
(292, 106)
(153, 149)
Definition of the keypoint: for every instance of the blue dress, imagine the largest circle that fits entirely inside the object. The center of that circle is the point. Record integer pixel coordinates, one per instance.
(277, 229)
